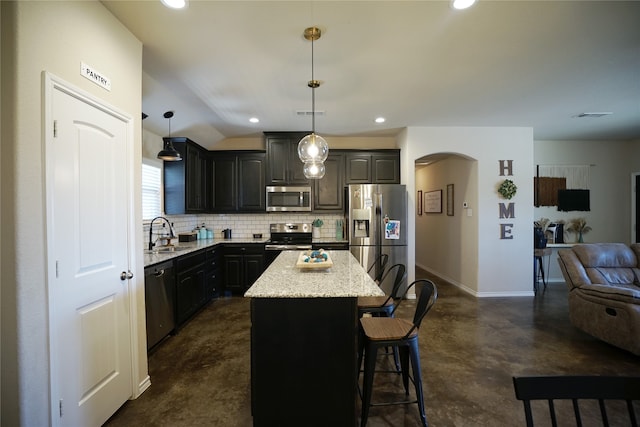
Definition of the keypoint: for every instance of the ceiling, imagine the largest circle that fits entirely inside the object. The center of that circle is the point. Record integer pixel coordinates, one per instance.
(536, 64)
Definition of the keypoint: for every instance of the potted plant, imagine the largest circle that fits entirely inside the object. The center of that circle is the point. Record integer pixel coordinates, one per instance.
(578, 226)
(316, 224)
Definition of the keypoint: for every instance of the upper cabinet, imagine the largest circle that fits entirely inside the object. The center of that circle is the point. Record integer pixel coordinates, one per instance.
(237, 181)
(328, 191)
(372, 167)
(185, 182)
(283, 165)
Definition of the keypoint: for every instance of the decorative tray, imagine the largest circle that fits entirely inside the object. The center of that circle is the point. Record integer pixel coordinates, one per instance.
(305, 262)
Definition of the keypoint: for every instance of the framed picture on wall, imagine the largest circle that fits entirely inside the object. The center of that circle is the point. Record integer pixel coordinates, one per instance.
(450, 199)
(433, 201)
(419, 202)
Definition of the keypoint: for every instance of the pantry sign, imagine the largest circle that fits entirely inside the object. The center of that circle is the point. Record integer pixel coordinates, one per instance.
(95, 76)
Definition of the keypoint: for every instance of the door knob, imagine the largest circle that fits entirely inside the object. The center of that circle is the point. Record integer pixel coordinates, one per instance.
(126, 275)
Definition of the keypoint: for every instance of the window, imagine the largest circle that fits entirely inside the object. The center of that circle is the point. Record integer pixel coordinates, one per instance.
(151, 190)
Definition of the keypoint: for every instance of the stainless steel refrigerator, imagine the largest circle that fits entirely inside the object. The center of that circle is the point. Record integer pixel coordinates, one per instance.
(377, 224)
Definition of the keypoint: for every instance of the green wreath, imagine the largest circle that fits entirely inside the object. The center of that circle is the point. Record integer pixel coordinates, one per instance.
(507, 189)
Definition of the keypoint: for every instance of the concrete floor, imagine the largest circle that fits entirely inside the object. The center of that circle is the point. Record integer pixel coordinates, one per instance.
(470, 350)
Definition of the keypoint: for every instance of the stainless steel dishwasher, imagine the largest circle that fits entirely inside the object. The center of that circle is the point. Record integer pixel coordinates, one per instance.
(159, 292)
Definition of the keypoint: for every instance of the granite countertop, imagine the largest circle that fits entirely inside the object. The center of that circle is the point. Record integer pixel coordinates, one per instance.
(283, 279)
(184, 248)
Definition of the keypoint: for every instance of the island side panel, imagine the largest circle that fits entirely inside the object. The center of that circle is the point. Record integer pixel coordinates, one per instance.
(303, 361)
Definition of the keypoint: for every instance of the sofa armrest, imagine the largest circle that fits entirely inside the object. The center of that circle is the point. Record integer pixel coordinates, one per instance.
(574, 273)
(625, 293)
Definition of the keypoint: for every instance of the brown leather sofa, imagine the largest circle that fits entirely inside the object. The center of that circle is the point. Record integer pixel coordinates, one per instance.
(604, 291)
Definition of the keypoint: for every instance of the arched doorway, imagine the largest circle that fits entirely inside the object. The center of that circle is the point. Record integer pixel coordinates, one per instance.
(446, 240)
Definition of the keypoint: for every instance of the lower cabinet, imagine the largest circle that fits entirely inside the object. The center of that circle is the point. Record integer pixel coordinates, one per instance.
(243, 264)
(191, 282)
(213, 272)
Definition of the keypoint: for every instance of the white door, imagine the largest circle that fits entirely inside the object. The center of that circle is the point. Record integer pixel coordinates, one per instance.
(87, 209)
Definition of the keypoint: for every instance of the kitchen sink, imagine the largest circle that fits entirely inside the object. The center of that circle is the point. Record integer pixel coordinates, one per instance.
(165, 249)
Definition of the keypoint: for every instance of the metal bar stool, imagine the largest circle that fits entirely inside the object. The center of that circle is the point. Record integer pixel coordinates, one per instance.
(379, 332)
(385, 305)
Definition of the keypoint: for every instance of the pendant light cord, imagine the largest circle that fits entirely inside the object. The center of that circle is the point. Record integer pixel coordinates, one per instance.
(313, 94)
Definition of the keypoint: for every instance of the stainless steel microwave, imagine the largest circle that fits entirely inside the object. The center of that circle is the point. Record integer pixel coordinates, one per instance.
(289, 199)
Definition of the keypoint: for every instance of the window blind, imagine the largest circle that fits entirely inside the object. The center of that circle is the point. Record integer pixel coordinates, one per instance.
(151, 191)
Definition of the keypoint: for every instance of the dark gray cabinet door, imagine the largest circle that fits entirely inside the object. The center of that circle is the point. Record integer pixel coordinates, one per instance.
(386, 168)
(195, 178)
(358, 168)
(190, 285)
(243, 264)
(283, 165)
(225, 193)
(251, 182)
(328, 192)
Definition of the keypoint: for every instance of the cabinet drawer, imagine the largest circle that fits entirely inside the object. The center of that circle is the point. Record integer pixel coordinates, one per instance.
(189, 261)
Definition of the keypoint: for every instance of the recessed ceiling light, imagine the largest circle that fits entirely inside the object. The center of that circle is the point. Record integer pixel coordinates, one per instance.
(175, 4)
(380, 120)
(254, 120)
(462, 4)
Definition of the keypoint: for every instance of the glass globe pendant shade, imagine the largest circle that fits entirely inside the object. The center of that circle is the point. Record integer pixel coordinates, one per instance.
(313, 148)
(314, 170)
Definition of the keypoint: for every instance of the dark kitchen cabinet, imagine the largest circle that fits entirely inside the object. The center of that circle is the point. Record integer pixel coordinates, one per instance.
(283, 164)
(372, 167)
(251, 182)
(328, 192)
(238, 181)
(213, 272)
(224, 197)
(243, 264)
(358, 168)
(191, 286)
(385, 168)
(185, 182)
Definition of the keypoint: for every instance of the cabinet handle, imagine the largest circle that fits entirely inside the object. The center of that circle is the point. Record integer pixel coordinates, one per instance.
(126, 275)
(159, 273)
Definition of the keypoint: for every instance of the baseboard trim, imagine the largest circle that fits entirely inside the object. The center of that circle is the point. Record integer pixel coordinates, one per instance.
(142, 387)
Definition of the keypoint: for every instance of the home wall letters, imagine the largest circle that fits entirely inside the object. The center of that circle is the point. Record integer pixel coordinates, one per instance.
(506, 211)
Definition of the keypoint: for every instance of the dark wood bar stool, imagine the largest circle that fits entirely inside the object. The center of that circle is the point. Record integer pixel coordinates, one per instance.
(379, 332)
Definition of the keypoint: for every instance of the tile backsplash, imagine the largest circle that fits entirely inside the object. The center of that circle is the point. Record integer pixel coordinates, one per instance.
(245, 225)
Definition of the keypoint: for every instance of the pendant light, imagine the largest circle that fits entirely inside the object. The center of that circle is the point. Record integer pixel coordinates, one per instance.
(313, 149)
(169, 153)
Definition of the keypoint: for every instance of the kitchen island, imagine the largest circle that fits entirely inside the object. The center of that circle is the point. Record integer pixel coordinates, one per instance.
(303, 341)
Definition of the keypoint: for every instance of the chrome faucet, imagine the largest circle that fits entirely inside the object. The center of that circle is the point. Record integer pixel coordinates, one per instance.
(172, 232)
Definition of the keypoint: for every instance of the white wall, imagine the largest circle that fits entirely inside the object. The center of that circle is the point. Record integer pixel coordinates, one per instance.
(504, 266)
(612, 163)
(55, 37)
(455, 256)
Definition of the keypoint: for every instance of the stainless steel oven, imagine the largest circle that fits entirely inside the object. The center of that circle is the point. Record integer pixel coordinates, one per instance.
(287, 237)
(289, 199)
